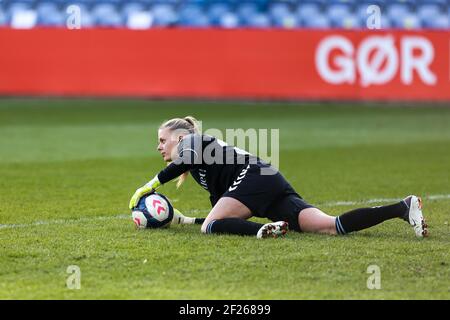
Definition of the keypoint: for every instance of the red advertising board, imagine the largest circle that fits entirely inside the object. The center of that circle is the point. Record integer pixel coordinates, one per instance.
(215, 63)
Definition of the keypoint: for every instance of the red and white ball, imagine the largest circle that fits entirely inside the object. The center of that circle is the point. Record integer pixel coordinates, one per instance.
(153, 211)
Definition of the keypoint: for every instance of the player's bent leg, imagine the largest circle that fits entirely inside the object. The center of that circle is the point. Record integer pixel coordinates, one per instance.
(230, 216)
(225, 208)
(316, 221)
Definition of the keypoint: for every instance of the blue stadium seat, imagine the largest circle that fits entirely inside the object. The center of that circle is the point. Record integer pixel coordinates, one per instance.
(164, 15)
(318, 21)
(192, 15)
(50, 15)
(408, 21)
(246, 10)
(15, 9)
(81, 3)
(349, 22)
(278, 9)
(441, 3)
(28, 3)
(139, 20)
(113, 2)
(438, 22)
(43, 8)
(23, 19)
(188, 15)
(196, 2)
(380, 3)
(217, 10)
(385, 23)
(361, 12)
(100, 9)
(409, 3)
(258, 20)
(18, 5)
(188, 12)
(201, 21)
(229, 20)
(307, 10)
(52, 19)
(112, 20)
(290, 3)
(157, 2)
(106, 15)
(132, 7)
(65, 3)
(281, 15)
(3, 18)
(259, 3)
(319, 3)
(288, 21)
(427, 12)
(346, 2)
(397, 11)
(291, 21)
(337, 12)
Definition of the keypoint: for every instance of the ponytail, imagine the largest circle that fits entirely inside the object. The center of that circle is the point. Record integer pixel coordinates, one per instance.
(188, 123)
(193, 122)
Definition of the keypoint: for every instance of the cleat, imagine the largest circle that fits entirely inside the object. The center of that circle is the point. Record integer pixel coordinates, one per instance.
(415, 217)
(274, 230)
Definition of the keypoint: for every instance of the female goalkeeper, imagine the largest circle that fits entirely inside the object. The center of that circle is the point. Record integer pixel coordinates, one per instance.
(242, 185)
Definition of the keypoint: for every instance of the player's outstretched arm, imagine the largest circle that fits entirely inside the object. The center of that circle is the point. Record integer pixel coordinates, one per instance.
(183, 163)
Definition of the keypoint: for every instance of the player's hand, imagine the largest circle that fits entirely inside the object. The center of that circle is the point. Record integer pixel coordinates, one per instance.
(150, 187)
(146, 189)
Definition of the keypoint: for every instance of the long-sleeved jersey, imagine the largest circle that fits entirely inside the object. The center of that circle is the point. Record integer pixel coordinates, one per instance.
(211, 162)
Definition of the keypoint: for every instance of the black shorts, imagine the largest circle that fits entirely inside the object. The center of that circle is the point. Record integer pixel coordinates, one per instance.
(267, 196)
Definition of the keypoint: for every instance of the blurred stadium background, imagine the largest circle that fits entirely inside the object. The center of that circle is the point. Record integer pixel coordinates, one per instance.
(229, 49)
(144, 14)
(81, 84)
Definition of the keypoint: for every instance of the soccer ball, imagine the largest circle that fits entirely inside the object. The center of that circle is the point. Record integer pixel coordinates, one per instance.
(152, 211)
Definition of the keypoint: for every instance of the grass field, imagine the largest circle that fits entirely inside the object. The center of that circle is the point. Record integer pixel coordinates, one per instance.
(69, 167)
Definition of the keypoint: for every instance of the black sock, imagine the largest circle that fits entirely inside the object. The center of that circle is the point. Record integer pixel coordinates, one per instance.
(364, 218)
(199, 220)
(234, 226)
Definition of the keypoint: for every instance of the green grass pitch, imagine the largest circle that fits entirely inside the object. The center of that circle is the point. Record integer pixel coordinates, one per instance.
(69, 167)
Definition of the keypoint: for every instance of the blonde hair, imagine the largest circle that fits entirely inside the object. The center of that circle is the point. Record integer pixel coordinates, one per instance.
(190, 124)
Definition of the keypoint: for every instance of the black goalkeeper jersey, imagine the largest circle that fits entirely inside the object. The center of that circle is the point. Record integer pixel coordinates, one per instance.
(211, 162)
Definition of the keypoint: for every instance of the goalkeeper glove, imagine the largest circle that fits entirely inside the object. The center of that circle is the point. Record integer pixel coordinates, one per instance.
(149, 187)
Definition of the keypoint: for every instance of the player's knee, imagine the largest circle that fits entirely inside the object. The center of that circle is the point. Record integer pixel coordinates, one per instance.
(204, 227)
